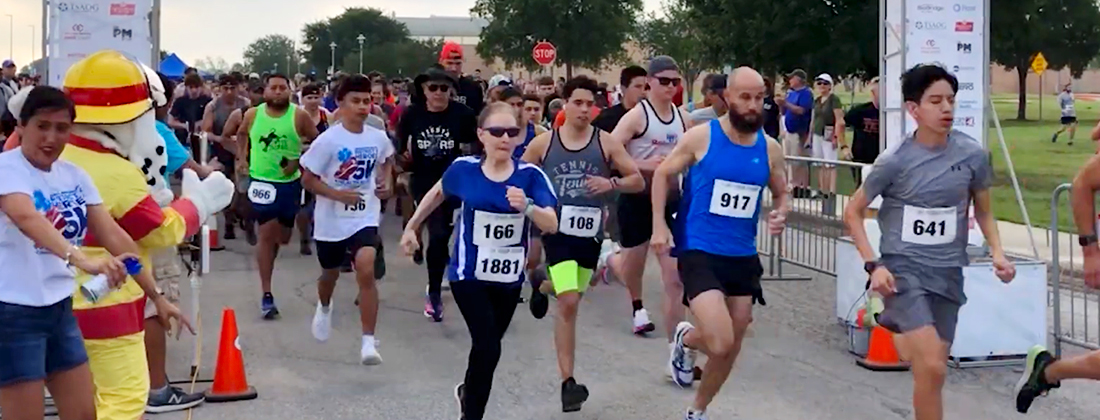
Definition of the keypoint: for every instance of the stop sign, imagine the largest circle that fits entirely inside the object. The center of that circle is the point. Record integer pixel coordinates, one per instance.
(544, 53)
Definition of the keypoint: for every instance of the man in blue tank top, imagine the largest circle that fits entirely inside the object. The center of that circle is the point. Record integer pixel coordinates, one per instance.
(729, 163)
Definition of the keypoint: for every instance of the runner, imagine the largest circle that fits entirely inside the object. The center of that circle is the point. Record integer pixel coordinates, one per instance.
(650, 132)
(578, 158)
(241, 205)
(311, 103)
(348, 167)
(467, 91)
(1069, 114)
(496, 192)
(529, 115)
(276, 131)
(728, 163)
(1045, 371)
(927, 184)
(215, 115)
(434, 129)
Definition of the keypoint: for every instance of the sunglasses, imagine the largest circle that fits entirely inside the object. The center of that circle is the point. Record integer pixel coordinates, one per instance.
(439, 88)
(823, 83)
(502, 131)
(665, 81)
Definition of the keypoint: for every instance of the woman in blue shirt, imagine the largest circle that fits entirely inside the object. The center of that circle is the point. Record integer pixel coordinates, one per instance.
(500, 198)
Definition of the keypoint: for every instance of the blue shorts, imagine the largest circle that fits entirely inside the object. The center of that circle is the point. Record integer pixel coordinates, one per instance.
(36, 342)
(284, 206)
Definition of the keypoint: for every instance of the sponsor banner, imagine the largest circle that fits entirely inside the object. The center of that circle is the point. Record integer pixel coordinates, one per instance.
(82, 27)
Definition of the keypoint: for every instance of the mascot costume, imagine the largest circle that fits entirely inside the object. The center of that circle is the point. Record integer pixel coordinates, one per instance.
(116, 142)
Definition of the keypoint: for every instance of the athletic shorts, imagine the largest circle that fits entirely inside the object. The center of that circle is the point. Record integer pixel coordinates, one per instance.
(36, 342)
(570, 261)
(824, 149)
(1068, 120)
(636, 218)
(733, 276)
(926, 296)
(275, 201)
(332, 255)
(793, 145)
(167, 271)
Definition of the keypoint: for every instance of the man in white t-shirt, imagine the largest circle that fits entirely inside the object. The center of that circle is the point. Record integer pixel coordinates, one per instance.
(348, 167)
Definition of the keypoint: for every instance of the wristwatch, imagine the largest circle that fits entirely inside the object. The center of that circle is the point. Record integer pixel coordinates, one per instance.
(530, 207)
(871, 266)
(1087, 240)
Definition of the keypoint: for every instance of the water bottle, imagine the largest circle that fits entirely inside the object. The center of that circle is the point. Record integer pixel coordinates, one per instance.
(98, 287)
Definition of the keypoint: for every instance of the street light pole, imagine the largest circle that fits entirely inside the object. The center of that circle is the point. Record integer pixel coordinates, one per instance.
(360, 38)
(32, 45)
(11, 36)
(332, 60)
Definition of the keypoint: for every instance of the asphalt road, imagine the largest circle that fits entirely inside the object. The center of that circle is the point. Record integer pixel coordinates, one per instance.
(794, 367)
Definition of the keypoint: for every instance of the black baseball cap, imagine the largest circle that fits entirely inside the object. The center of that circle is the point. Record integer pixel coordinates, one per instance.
(715, 82)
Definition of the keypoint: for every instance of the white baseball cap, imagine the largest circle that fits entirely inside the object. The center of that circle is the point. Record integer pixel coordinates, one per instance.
(499, 80)
(824, 76)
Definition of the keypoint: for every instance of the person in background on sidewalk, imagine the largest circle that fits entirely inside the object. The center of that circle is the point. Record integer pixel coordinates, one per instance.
(1044, 371)
(797, 108)
(1069, 114)
(863, 119)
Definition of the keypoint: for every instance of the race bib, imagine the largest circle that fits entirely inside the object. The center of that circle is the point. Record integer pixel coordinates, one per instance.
(923, 226)
(494, 230)
(734, 199)
(351, 211)
(502, 265)
(582, 222)
(261, 193)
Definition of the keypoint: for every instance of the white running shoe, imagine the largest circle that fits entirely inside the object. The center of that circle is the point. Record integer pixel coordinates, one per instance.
(642, 324)
(322, 323)
(368, 354)
(695, 415)
(681, 363)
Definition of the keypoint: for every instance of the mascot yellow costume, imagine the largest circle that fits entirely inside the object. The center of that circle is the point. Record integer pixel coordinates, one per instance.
(116, 142)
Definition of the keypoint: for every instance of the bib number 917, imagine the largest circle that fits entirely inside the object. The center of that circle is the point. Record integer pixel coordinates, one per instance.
(734, 199)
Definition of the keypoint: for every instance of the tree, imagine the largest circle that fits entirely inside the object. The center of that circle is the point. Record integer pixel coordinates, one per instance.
(271, 53)
(1067, 32)
(668, 35)
(587, 33)
(215, 65)
(386, 46)
(837, 36)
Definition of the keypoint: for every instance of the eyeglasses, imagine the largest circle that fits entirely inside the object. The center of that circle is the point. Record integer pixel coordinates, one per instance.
(439, 88)
(501, 131)
(665, 81)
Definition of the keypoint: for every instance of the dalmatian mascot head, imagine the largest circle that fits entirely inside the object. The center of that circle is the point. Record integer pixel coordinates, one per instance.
(114, 102)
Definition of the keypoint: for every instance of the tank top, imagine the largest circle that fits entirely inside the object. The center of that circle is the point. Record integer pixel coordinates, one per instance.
(222, 111)
(273, 143)
(322, 123)
(723, 193)
(522, 148)
(659, 137)
(580, 213)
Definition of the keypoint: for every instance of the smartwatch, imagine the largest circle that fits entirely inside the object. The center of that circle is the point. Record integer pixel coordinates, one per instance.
(530, 207)
(871, 266)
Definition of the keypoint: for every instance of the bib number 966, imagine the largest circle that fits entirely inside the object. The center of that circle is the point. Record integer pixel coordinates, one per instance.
(261, 193)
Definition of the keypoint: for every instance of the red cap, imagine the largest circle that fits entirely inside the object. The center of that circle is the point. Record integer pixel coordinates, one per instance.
(451, 50)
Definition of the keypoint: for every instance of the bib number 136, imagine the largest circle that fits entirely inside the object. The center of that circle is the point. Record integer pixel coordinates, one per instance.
(935, 226)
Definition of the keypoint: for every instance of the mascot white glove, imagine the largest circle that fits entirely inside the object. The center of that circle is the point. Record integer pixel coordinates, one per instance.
(163, 196)
(209, 195)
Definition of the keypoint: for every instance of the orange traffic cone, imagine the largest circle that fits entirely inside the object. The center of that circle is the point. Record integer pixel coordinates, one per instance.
(882, 356)
(215, 238)
(230, 383)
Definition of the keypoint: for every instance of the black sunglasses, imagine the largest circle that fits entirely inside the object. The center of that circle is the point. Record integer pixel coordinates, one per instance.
(439, 88)
(501, 131)
(665, 81)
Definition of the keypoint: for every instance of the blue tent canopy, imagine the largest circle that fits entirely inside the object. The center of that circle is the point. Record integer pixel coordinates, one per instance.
(173, 66)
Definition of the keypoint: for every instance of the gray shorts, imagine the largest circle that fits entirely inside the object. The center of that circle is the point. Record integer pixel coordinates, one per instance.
(926, 296)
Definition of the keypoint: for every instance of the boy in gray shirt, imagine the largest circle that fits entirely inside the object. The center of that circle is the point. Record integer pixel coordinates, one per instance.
(927, 184)
(1069, 114)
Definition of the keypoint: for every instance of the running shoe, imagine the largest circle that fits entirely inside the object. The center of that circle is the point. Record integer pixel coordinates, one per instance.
(1032, 383)
(539, 302)
(433, 307)
(230, 233)
(681, 361)
(322, 323)
(368, 354)
(172, 399)
(642, 324)
(460, 397)
(573, 395)
(695, 415)
(267, 307)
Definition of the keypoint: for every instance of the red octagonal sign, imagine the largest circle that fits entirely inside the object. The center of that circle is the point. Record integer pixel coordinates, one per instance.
(544, 53)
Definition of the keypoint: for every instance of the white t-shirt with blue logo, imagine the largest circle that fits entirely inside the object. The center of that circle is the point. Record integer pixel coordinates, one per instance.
(35, 276)
(346, 160)
(491, 238)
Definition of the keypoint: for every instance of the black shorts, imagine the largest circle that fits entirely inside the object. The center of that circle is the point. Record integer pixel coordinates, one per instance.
(1068, 120)
(284, 207)
(734, 276)
(332, 255)
(560, 247)
(635, 213)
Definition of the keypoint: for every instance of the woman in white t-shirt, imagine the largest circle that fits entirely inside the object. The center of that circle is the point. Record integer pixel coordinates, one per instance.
(47, 205)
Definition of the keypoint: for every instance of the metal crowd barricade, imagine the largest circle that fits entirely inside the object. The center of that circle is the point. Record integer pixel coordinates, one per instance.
(1077, 323)
(814, 223)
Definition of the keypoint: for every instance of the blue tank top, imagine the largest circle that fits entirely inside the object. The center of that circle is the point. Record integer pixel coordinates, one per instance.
(518, 153)
(723, 193)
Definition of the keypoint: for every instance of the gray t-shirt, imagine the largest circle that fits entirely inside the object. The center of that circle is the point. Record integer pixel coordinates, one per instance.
(926, 195)
(703, 115)
(1065, 101)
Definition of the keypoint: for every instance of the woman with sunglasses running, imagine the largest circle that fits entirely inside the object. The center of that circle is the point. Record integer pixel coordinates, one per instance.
(498, 194)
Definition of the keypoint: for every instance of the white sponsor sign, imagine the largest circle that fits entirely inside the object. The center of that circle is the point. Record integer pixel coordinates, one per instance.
(82, 27)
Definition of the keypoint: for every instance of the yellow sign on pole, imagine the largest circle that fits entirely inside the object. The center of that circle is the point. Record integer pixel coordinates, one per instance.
(1039, 63)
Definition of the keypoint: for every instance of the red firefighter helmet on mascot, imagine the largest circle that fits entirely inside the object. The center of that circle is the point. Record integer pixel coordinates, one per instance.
(108, 88)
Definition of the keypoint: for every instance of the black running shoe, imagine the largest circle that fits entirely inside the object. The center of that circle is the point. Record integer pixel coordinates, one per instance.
(539, 302)
(173, 400)
(572, 395)
(1032, 383)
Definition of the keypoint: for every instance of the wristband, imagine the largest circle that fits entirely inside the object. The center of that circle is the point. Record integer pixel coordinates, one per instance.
(614, 183)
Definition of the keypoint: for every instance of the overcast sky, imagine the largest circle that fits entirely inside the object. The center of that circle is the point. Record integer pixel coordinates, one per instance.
(196, 29)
